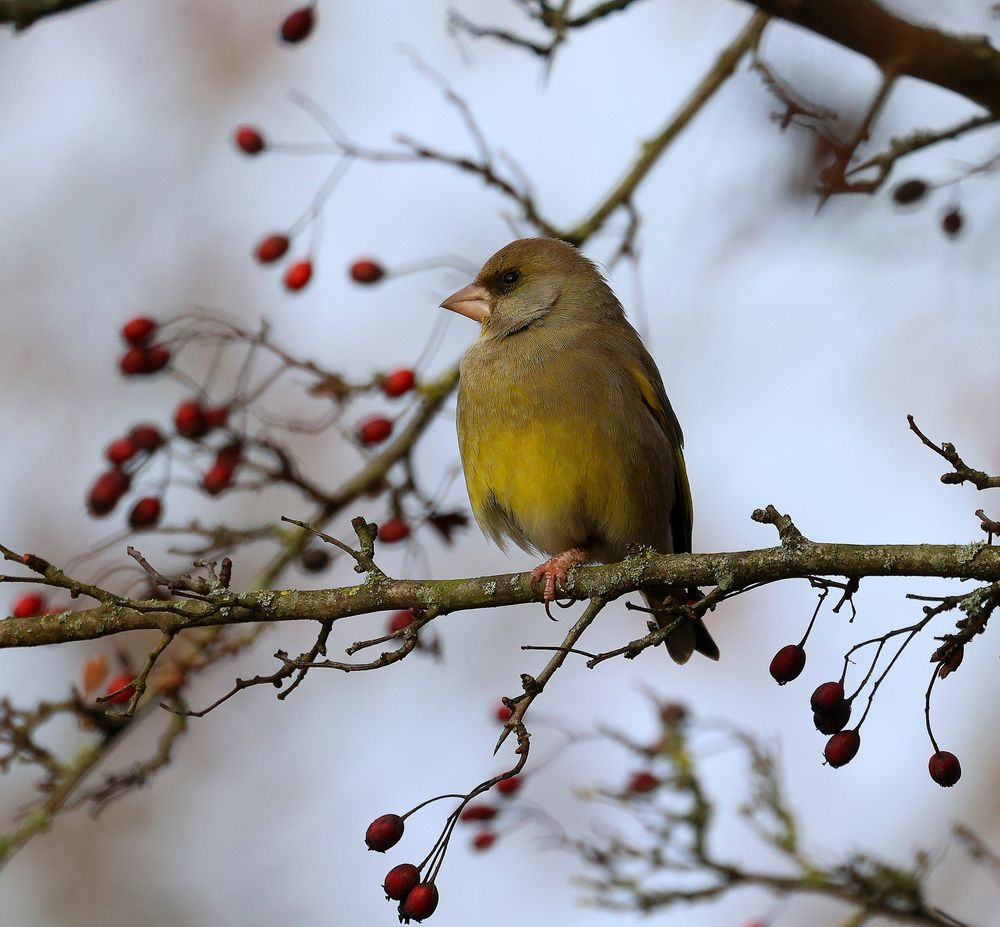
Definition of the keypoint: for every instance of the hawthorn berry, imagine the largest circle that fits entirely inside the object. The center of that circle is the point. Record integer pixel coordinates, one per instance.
(122, 681)
(297, 275)
(842, 747)
(139, 330)
(420, 903)
(314, 560)
(106, 490)
(189, 420)
(944, 768)
(909, 191)
(952, 222)
(366, 271)
(788, 663)
(826, 696)
(249, 140)
(29, 605)
(271, 248)
(480, 812)
(216, 417)
(484, 840)
(217, 479)
(121, 450)
(400, 881)
(229, 455)
(146, 512)
(642, 782)
(509, 786)
(155, 358)
(297, 25)
(400, 620)
(393, 531)
(374, 430)
(502, 712)
(831, 720)
(133, 362)
(146, 437)
(398, 382)
(384, 832)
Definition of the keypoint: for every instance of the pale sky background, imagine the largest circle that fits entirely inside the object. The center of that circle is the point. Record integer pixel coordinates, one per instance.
(792, 345)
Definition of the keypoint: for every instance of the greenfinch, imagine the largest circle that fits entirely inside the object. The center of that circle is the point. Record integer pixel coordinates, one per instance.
(569, 444)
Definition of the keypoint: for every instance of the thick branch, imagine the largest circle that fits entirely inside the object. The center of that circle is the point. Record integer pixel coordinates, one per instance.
(22, 13)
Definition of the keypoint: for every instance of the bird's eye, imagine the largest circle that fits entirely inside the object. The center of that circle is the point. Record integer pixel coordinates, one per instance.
(510, 278)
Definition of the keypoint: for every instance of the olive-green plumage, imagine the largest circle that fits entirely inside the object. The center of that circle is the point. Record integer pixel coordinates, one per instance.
(567, 437)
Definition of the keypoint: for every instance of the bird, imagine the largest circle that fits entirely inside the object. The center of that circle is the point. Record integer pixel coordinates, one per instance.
(569, 444)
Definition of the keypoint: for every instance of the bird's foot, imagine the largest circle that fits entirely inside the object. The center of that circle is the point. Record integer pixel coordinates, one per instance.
(556, 569)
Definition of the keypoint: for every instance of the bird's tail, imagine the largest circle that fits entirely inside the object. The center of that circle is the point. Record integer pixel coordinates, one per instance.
(691, 635)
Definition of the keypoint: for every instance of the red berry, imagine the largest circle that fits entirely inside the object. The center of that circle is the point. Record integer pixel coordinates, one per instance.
(29, 605)
(945, 769)
(218, 479)
(145, 437)
(298, 24)
(502, 713)
(121, 450)
(398, 382)
(249, 140)
(146, 512)
(393, 530)
(420, 903)
(374, 430)
(366, 271)
(788, 663)
(315, 560)
(643, 782)
(384, 833)
(107, 489)
(833, 720)
(842, 748)
(297, 275)
(189, 419)
(156, 357)
(121, 681)
(139, 330)
(400, 620)
(400, 881)
(484, 840)
(216, 417)
(229, 455)
(827, 696)
(509, 786)
(952, 222)
(271, 248)
(133, 362)
(480, 812)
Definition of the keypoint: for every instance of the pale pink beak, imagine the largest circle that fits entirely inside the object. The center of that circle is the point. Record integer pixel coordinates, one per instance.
(472, 301)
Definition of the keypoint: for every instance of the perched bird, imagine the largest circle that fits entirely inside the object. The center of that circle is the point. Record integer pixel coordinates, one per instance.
(568, 441)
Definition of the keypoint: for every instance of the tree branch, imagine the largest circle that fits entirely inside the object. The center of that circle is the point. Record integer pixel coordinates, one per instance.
(22, 13)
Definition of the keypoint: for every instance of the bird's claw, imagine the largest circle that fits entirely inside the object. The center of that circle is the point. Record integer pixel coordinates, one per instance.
(556, 570)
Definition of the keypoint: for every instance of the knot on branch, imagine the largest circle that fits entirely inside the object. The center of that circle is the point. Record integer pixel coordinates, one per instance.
(789, 535)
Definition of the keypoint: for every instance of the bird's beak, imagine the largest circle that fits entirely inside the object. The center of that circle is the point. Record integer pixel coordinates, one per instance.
(472, 301)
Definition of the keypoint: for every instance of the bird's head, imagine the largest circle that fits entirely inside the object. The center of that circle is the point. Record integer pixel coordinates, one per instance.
(531, 280)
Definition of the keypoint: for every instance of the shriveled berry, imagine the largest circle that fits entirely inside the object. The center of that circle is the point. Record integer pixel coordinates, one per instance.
(271, 248)
(106, 490)
(909, 191)
(374, 430)
(945, 769)
(146, 437)
(788, 663)
(249, 140)
(29, 605)
(146, 512)
(122, 681)
(484, 840)
(479, 812)
(400, 881)
(393, 531)
(297, 275)
(139, 330)
(398, 382)
(509, 786)
(952, 222)
(121, 450)
(831, 720)
(366, 271)
(842, 748)
(297, 25)
(384, 832)
(217, 479)
(189, 420)
(400, 620)
(642, 782)
(827, 696)
(420, 903)
(315, 560)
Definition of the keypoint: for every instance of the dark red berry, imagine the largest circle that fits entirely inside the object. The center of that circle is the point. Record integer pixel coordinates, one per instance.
(502, 712)
(842, 748)
(393, 531)
(156, 357)
(642, 782)
(945, 769)
(249, 140)
(297, 275)
(298, 24)
(139, 330)
(271, 248)
(229, 455)
(400, 620)
(366, 271)
(133, 362)
(121, 681)
(216, 417)
(398, 382)
(952, 222)
(217, 479)
(374, 430)
(29, 605)
(121, 450)
(484, 840)
(827, 696)
(384, 833)
(831, 720)
(315, 560)
(145, 437)
(909, 191)
(420, 903)
(788, 663)
(480, 812)
(400, 881)
(106, 490)
(189, 420)
(509, 786)
(146, 512)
